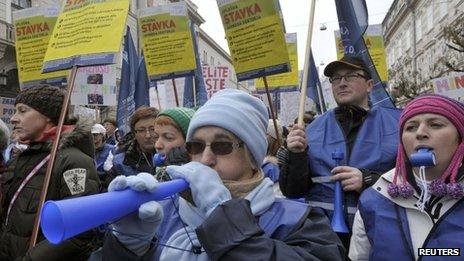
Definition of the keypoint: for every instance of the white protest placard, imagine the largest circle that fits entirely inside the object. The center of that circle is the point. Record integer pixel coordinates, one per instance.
(215, 78)
(95, 85)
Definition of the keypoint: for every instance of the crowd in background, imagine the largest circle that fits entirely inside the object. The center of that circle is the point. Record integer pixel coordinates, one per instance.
(257, 189)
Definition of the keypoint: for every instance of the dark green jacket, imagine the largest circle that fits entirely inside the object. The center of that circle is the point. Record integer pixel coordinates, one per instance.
(73, 175)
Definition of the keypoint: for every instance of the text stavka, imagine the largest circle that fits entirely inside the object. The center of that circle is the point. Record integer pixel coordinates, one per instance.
(242, 13)
(158, 25)
(32, 29)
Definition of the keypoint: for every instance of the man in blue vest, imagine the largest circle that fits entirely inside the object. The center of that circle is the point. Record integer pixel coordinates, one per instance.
(368, 136)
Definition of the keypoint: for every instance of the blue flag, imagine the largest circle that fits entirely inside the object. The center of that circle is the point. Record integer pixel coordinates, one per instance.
(201, 96)
(142, 85)
(313, 90)
(353, 22)
(126, 103)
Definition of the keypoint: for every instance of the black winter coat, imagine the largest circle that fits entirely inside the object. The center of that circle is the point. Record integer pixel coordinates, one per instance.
(73, 175)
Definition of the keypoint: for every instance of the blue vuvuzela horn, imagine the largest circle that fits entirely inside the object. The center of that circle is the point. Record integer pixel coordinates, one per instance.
(64, 219)
(338, 218)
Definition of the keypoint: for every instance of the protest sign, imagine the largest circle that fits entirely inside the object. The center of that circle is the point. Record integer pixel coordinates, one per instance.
(215, 78)
(95, 85)
(7, 110)
(85, 113)
(255, 34)
(167, 41)
(374, 42)
(450, 86)
(88, 32)
(33, 28)
(284, 80)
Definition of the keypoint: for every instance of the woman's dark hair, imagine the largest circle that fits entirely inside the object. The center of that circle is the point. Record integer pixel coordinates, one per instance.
(143, 113)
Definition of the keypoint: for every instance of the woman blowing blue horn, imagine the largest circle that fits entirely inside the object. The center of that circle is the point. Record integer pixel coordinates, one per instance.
(233, 214)
(419, 204)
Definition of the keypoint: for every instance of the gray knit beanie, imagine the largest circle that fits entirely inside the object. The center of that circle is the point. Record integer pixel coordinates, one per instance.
(238, 112)
(45, 99)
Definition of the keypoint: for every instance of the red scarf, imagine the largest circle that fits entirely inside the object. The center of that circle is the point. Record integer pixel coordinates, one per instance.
(49, 134)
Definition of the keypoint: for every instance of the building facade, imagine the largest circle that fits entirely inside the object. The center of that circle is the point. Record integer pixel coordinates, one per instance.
(9, 84)
(414, 39)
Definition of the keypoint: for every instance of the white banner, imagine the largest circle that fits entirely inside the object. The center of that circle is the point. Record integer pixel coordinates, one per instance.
(95, 85)
(215, 78)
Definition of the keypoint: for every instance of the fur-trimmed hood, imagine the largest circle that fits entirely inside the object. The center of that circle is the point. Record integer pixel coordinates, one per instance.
(80, 137)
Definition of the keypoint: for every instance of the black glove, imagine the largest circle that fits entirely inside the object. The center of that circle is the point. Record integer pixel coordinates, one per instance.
(177, 156)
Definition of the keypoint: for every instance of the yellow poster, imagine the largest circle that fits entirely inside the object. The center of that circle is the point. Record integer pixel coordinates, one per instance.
(289, 79)
(33, 28)
(167, 41)
(374, 42)
(255, 34)
(86, 33)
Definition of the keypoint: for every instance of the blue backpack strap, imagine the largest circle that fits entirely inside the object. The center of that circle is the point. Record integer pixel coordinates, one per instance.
(283, 217)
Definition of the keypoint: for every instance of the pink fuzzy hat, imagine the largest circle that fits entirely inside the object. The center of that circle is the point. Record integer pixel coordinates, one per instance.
(454, 112)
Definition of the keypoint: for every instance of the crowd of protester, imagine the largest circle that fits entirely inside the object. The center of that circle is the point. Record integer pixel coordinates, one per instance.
(257, 190)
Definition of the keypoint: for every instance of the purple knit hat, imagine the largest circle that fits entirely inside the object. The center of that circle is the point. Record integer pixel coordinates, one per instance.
(454, 112)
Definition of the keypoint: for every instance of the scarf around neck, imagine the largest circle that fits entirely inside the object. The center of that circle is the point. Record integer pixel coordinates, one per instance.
(261, 198)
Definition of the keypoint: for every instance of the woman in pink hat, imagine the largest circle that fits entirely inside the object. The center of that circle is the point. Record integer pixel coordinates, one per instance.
(417, 207)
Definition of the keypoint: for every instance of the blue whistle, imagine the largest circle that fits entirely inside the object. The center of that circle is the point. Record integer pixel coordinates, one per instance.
(338, 219)
(337, 156)
(423, 157)
(159, 159)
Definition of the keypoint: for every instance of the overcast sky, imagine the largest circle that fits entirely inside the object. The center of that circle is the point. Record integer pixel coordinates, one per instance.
(296, 14)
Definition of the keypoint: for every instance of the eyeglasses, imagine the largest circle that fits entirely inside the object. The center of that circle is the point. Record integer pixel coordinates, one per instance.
(150, 131)
(218, 147)
(348, 78)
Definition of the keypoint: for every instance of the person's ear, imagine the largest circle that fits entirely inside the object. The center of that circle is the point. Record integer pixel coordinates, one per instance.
(370, 85)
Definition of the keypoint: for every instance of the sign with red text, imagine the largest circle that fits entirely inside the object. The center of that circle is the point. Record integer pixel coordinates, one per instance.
(255, 34)
(167, 41)
(87, 32)
(95, 85)
(215, 78)
(33, 28)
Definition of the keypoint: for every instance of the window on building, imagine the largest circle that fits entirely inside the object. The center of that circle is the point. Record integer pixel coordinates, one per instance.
(22, 3)
(212, 61)
(429, 17)
(393, 53)
(390, 60)
(205, 57)
(432, 56)
(407, 39)
(418, 28)
(424, 23)
(399, 50)
(443, 9)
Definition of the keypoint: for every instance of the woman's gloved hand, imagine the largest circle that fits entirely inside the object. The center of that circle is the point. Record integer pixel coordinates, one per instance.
(136, 230)
(208, 191)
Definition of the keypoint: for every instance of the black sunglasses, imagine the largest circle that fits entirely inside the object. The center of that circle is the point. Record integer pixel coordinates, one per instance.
(218, 147)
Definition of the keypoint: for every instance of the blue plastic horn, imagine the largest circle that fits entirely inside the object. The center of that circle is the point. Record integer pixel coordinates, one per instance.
(423, 157)
(158, 160)
(64, 219)
(338, 219)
